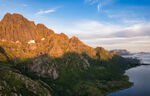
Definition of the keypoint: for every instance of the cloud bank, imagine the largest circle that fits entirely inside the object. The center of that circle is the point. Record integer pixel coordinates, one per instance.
(135, 38)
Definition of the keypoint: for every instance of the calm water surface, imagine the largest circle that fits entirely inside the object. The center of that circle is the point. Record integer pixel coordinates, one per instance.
(141, 78)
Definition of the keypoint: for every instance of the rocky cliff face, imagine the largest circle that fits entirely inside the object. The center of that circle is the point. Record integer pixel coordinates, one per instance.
(14, 27)
(21, 38)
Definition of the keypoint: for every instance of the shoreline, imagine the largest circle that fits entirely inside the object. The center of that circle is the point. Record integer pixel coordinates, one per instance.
(128, 80)
(120, 89)
(145, 64)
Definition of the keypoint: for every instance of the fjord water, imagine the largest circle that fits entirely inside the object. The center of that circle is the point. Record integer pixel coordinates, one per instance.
(140, 76)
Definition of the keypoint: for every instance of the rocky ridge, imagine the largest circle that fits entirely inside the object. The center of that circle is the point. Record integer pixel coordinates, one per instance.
(30, 40)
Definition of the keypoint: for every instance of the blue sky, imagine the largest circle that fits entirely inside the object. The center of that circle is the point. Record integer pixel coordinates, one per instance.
(121, 24)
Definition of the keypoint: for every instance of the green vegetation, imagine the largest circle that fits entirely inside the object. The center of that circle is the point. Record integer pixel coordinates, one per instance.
(71, 75)
(13, 83)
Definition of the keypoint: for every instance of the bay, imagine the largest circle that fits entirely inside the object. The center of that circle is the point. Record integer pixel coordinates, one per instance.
(140, 76)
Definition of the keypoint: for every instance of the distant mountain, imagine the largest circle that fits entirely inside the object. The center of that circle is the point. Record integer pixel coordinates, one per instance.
(143, 53)
(120, 52)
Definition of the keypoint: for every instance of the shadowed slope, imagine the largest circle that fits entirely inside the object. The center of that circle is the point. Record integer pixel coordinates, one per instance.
(72, 74)
(3, 55)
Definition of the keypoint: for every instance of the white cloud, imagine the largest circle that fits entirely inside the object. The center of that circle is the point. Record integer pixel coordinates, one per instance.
(128, 21)
(134, 30)
(45, 11)
(94, 29)
(92, 1)
(99, 3)
(98, 7)
(135, 37)
(133, 44)
(25, 5)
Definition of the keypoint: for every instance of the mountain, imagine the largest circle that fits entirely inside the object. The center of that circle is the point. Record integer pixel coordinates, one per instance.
(143, 53)
(120, 52)
(35, 61)
(27, 38)
(14, 27)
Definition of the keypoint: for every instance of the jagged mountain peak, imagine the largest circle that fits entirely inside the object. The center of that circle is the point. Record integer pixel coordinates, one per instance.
(64, 35)
(38, 39)
(41, 25)
(14, 14)
(15, 27)
(75, 40)
(15, 17)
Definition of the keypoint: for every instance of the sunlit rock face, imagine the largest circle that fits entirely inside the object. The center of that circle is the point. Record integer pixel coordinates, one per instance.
(32, 40)
(15, 27)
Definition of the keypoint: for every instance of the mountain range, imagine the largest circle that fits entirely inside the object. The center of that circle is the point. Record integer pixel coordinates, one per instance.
(27, 37)
(36, 61)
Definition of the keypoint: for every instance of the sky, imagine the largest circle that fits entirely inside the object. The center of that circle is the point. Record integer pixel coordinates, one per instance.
(112, 24)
